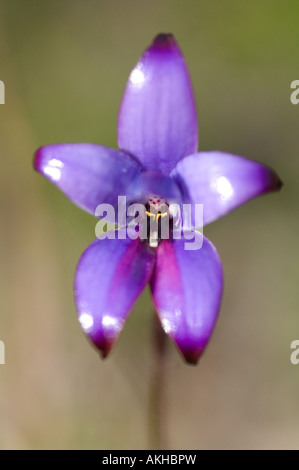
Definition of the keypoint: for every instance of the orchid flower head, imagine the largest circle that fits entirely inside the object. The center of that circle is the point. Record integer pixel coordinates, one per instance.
(159, 167)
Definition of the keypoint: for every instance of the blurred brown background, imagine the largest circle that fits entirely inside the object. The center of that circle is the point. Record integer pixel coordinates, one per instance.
(65, 64)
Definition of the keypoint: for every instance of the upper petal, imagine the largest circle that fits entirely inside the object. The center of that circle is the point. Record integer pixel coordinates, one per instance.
(157, 121)
(187, 290)
(110, 276)
(88, 174)
(221, 181)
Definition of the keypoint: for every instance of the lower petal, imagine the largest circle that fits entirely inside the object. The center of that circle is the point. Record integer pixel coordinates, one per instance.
(110, 276)
(187, 290)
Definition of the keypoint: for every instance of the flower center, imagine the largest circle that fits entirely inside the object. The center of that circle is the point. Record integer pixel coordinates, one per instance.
(159, 221)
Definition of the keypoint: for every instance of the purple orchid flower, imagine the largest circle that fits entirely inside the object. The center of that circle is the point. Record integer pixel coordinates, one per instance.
(157, 161)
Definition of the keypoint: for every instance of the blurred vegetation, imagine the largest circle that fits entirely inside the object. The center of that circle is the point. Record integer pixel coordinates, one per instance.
(65, 64)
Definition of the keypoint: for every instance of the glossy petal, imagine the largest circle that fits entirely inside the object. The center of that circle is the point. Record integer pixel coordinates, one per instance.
(110, 276)
(221, 181)
(187, 290)
(88, 174)
(157, 120)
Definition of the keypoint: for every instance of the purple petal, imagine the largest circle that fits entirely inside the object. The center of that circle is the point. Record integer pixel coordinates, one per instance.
(221, 181)
(157, 120)
(110, 276)
(187, 290)
(88, 174)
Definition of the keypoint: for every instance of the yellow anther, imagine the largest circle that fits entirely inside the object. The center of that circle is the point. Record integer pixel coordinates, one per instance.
(150, 214)
(164, 214)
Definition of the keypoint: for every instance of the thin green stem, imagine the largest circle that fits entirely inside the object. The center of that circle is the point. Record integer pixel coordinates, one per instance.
(157, 385)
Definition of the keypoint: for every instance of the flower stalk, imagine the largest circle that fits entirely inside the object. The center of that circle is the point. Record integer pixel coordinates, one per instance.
(157, 401)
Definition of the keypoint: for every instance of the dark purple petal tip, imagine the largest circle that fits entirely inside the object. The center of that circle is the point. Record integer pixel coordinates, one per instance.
(190, 356)
(164, 41)
(37, 161)
(273, 182)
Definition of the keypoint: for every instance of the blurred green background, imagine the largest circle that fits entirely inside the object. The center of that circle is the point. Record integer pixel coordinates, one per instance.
(65, 64)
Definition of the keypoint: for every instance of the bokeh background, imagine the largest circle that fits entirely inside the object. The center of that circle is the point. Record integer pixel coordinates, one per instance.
(65, 64)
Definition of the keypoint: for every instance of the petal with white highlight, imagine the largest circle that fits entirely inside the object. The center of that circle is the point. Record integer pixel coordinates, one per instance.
(88, 174)
(222, 182)
(157, 121)
(110, 276)
(187, 289)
